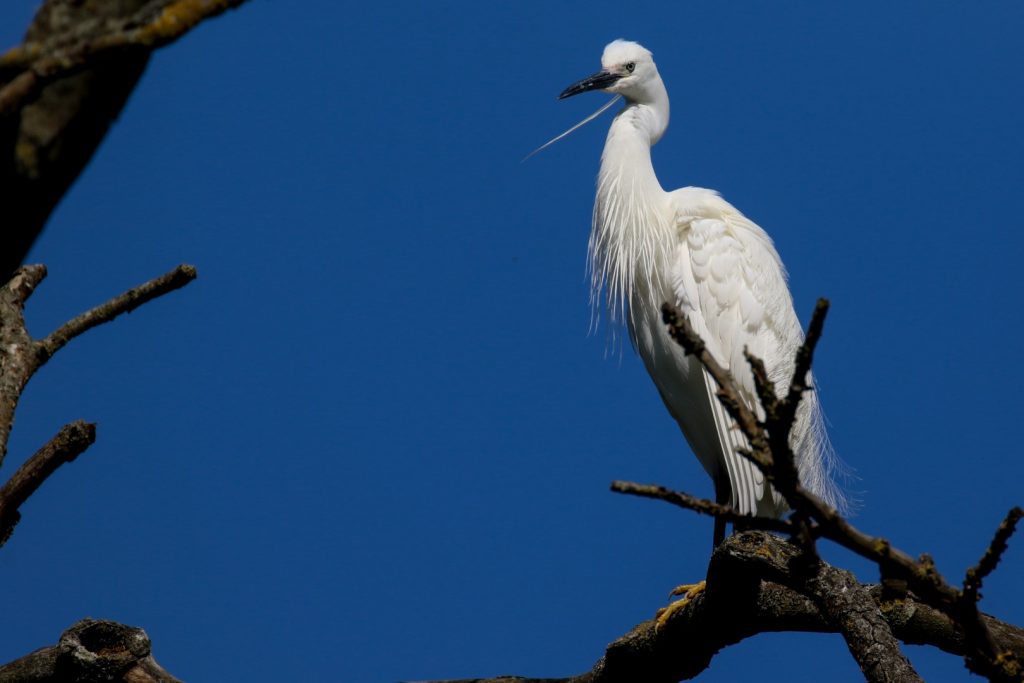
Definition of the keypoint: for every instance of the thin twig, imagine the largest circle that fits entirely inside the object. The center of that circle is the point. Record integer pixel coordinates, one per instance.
(805, 354)
(682, 332)
(701, 505)
(994, 552)
(764, 387)
(780, 414)
(123, 303)
(67, 445)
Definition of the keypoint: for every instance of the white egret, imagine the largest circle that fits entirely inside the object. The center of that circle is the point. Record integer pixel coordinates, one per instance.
(692, 248)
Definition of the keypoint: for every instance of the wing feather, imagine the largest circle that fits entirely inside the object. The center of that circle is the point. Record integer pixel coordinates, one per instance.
(722, 270)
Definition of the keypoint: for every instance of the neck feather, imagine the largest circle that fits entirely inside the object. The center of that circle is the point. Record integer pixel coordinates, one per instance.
(631, 236)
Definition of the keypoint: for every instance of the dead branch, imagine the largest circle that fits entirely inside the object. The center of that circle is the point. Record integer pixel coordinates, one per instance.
(91, 650)
(987, 564)
(771, 452)
(21, 356)
(750, 590)
(699, 505)
(32, 65)
(682, 332)
(123, 303)
(61, 89)
(68, 444)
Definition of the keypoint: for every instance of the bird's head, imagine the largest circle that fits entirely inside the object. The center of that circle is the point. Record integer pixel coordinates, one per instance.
(627, 69)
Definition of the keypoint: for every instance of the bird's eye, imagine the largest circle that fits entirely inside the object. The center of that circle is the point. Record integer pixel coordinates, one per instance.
(630, 66)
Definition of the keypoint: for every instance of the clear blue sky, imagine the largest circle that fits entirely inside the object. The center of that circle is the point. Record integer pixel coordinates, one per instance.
(373, 441)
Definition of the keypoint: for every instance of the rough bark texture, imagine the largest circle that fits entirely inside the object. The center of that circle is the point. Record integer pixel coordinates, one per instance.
(67, 445)
(813, 519)
(61, 90)
(47, 143)
(88, 652)
(21, 355)
(748, 592)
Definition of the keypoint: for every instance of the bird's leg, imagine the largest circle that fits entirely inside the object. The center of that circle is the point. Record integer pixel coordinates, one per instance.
(722, 495)
(719, 533)
(691, 590)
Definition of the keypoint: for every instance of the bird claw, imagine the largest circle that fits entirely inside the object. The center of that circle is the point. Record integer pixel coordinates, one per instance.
(689, 591)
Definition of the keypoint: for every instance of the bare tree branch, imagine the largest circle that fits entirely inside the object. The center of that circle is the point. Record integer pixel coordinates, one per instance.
(987, 564)
(61, 90)
(848, 606)
(152, 26)
(699, 505)
(91, 650)
(21, 355)
(682, 332)
(750, 590)
(68, 444)
(772, 454)
(123, 303)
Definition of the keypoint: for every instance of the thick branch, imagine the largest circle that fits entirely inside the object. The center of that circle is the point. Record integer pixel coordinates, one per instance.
(68, 444)
(61, 90)
(153, 26)
(17, 358)
(748, 592)
(89, 651)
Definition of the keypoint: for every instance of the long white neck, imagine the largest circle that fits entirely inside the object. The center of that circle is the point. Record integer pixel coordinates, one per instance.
(631, 234)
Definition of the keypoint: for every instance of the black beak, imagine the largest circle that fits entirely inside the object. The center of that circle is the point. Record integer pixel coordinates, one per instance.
(599, 81)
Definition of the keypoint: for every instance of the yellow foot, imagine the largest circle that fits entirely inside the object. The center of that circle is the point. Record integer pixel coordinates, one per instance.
(689, 591)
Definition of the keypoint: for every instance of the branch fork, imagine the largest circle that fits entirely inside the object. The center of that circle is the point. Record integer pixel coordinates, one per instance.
(21, 356)
(812, 518)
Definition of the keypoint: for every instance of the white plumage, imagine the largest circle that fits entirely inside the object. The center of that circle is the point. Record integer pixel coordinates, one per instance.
(694, 249)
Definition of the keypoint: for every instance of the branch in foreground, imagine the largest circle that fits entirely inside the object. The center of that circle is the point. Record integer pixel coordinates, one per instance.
(841, 598)
(68, 444)
(749, 592)
(700, 505)
(123, 303)
(63, 87)
(21, 356)
(89, 651)
(682, 332)
(153, 26)
(987, 564)
(771, 452)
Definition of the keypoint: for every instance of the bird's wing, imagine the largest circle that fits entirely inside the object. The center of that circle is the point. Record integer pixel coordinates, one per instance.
(725, 275)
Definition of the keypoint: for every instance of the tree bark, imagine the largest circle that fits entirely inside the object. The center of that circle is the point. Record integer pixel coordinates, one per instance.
(748, 592)
(88, 652)
(62, 89)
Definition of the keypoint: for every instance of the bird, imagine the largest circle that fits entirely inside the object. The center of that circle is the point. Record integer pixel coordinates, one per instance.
(691, 248)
